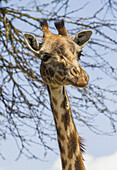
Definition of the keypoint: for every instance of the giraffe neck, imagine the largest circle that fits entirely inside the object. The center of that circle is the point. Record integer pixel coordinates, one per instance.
(68, 138)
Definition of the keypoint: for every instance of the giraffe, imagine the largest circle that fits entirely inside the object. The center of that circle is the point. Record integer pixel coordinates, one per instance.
(59, 56)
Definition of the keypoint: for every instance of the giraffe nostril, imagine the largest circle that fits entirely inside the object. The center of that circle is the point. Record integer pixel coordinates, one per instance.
(74, 71)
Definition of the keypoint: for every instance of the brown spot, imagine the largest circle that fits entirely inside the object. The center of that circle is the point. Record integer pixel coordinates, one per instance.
(61, 66)
(66, 119)
(60, 73)
(60, 135)
(45, 79)
(51, 71)
(58, 78)
(54, 100)
(72, 144)
(64, 163)
(55, 113)
(47, 73)
(62, 150)
(59, 47)
(48, 78)
(79, 163)
(63, 104)
(70, 167)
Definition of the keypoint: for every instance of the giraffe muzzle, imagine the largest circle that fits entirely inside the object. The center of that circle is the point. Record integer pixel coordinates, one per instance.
(78, 79)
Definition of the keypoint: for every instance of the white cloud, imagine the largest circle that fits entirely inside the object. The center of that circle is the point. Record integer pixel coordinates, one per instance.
(91, 163)
(56, 165)
(101, 163)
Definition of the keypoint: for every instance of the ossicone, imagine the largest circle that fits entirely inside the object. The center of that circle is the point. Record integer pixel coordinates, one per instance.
(61, 27)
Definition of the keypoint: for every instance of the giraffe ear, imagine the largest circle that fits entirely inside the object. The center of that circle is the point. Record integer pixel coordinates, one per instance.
(82, 38)
(32, 43)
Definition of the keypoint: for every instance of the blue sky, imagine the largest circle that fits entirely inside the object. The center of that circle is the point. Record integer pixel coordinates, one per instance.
(101, 150)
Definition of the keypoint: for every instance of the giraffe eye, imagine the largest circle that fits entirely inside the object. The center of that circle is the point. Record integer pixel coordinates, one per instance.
(45, 57)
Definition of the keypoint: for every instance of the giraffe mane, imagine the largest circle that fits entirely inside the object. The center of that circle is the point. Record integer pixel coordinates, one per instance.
(82, 145)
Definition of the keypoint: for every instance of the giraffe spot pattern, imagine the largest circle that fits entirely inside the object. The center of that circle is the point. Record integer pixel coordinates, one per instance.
(79, 164)
(61, 136)
(70, 167)
(51, 72)
(54, 100)
(60, 73)
(62, 150)
(58, 78)
(63, 104)
(66, 119)
(64, 163)
(48, 78)
(47, 72)
(60, 48)
(64, 47)
(72, 144)
(54, 111)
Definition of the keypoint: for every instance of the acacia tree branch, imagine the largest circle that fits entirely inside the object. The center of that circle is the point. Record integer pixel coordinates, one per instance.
(23, 97)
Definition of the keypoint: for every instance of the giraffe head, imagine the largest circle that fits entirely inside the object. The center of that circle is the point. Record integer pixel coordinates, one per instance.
(59, 55)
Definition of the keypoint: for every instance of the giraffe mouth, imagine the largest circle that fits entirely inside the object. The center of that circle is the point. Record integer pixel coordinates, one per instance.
(78, 81)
